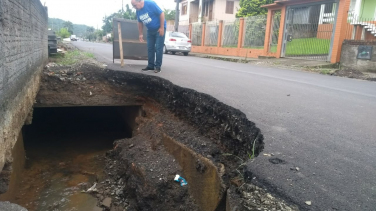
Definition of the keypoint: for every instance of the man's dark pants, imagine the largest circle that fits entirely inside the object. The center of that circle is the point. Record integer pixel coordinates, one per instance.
(155, 48)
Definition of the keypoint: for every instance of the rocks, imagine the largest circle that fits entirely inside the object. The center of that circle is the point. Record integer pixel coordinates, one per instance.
(255, 198)
(11, 207)
(309, 203)
(107, 202)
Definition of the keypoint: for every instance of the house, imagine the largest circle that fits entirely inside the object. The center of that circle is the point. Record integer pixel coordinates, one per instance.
(362, 17)
(192, 11)
(300, 29)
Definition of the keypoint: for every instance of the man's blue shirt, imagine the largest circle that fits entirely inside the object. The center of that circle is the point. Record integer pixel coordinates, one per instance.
(149, 15)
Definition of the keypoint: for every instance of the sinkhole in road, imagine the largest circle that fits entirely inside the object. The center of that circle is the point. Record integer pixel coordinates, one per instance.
(130, 134)
(65, 150)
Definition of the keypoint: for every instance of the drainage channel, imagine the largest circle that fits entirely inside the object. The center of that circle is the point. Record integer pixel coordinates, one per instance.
(113, 140)
(65, 153)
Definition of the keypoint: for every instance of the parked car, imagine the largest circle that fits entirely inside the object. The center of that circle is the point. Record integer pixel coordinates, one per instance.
(177, 42)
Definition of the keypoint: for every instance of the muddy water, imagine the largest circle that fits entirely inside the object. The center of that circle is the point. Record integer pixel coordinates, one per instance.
(65, 157)
(55, 175)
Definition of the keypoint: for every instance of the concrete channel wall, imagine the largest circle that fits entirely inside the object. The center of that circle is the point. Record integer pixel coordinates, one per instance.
(23, 54)
(359, 55)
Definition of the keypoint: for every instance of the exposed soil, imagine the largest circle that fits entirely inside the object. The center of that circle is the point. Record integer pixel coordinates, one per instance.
(141, 170)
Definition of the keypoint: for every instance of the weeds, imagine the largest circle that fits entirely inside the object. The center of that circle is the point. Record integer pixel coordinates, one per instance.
(72, 57)
(326, 72)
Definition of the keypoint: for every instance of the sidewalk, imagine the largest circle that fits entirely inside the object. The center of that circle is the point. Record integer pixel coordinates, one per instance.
(320, 67)
(269, 61)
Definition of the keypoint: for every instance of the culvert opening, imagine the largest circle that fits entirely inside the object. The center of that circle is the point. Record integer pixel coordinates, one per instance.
(65, 150)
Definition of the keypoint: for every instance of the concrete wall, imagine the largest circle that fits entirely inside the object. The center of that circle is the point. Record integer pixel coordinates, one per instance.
(23, 53)
(193, 12)
(368, 10)
(220, 10)
(184, 19)
(349, 57)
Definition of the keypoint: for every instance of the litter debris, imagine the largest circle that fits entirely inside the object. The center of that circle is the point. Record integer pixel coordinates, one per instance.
(309, 203)
(269, 155)
(180, 179)
(92, 189)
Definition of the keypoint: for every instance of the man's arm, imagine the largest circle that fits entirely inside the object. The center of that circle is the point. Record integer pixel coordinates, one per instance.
(162, 20)
(140, 31)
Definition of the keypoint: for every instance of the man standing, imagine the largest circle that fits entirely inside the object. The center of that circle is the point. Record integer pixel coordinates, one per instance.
(150, 15)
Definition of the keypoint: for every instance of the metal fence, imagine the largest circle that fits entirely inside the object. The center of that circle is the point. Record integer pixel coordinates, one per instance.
(309, 31)
(230, 33)
(211, 34)
(254, 31)
(196, 34)
(276, 20)
(360, 27)
(184, 29)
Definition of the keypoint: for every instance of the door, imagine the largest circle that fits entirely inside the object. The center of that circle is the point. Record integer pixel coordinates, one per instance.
(309, 31)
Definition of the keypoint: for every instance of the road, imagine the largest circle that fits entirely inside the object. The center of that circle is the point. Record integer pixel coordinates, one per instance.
(324, 125)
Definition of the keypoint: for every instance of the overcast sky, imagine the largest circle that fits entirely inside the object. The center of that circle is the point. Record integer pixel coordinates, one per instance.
(90, 12)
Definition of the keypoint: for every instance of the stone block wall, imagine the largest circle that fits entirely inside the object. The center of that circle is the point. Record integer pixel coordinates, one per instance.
(23, 43)
(23, 54)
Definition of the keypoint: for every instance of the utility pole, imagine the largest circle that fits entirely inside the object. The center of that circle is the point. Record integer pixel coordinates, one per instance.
(122, 8)
(177, 12)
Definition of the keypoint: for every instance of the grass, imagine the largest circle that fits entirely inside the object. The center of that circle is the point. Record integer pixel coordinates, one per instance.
(327, 71)
(298, 47)
(307, 46)
(71, 57)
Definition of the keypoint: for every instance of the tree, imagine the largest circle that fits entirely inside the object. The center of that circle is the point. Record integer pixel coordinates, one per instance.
(99, 34)
(90, 35)
(90, 29)
(169, 14)
(129, 14)
(69, 26)
(107, 22)
(252, 7)
(64, 33)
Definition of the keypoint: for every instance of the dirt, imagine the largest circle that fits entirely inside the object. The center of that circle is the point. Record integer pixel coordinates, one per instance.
(178, 131)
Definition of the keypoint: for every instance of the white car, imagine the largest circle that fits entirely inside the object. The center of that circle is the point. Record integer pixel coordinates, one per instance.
(177, 42)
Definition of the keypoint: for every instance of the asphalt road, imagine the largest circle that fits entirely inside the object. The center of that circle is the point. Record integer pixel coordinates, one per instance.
(324, 125)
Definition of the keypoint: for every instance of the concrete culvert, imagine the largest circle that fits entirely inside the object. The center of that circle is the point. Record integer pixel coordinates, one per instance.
(109, 140)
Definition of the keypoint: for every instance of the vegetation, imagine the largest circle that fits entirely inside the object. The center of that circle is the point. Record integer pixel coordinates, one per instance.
(307, 46)
(57, 24)
(169, 14)
(63, 33)
(128, 14)
(252, 7)
(71, 57)
(68, 25)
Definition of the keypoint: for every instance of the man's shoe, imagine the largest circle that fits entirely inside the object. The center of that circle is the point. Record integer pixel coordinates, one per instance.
(147, 68)
(157, 70)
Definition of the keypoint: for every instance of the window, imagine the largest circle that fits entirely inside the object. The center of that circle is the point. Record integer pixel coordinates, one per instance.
(178, 35)
(229, 7)
(184, 9)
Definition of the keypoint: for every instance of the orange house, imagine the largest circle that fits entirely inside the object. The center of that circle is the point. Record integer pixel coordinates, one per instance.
(302, 29)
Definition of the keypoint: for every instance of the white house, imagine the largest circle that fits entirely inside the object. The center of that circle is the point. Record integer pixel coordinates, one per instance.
(192, 11)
